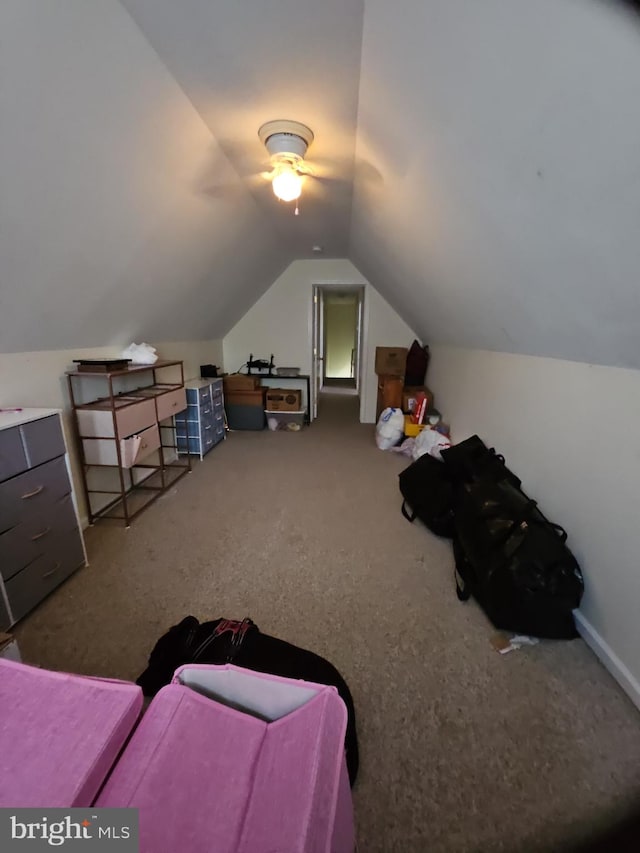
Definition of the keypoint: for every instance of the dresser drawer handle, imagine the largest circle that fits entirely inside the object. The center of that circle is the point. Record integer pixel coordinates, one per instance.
(33, 493)
(53, 570)
(209, 427)
(40, 535)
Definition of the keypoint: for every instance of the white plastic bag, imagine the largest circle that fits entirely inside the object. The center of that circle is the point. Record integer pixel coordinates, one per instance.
(390, 428)
(140, 354)
(430, 441)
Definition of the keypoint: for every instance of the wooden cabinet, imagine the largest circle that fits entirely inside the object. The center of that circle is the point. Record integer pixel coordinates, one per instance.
(389, 393)
(127, 422)
(40, 537)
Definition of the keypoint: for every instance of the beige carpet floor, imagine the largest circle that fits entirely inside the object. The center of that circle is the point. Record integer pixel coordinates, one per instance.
(462, 749)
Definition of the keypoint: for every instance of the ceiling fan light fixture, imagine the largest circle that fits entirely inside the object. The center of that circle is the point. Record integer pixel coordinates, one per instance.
(287, 142)
(287, 184)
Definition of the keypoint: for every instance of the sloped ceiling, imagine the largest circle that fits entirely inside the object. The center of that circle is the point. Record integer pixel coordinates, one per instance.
(508, 136)
(478, 162)
(246, 62)
(106, 234)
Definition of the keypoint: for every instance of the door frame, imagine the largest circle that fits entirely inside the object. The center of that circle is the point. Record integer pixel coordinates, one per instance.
(318, 332)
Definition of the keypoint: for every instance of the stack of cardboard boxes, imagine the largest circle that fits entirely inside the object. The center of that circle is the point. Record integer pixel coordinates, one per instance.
(390, 367)
(247, 402)
(284, 409)
(244, 401)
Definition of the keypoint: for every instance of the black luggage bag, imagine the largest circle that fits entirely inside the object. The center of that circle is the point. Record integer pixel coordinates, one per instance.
(427, 490)
(471, 459)
(514, 561)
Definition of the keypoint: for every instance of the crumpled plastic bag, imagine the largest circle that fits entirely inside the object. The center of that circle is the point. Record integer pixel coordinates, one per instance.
(140, 354)
(430, 441)
(406, 448)
(390, 428)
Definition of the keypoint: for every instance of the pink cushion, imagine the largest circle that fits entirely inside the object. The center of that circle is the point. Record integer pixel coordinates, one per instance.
(59, 734)
(206, 776)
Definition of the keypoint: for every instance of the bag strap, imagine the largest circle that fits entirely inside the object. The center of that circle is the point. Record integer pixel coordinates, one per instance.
(562, 533)
(462, 589)
(404, 511)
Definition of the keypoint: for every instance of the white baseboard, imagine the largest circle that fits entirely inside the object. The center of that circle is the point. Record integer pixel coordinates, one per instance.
(609, 658)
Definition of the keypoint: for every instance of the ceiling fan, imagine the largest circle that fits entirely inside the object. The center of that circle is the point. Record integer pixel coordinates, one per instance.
(287, 143)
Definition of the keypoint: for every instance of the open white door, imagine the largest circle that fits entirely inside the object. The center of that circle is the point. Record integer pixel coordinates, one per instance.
(358, 349)
(317, 351)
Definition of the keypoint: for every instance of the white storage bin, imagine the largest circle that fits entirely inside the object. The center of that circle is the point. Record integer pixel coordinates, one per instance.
(289, 421)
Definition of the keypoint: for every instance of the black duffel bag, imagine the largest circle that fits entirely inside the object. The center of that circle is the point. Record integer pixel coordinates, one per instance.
(471, 460)
(514, 561)
(427, 490)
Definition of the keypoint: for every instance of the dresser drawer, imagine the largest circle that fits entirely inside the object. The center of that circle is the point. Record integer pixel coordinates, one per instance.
(193, 429)
(26, 495)
(131, 417)
(43, 440)
(193, 412)
(188, 445)
(171, 403)
(205, 394)
(32, 584)
(206, 415)
(99, 451)
(12, 456)
(207, 434)
(28, 540)
(150, 441)
(199, 395)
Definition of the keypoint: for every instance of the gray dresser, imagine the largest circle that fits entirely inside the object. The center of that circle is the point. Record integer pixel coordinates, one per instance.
(204, 426)
(40, 538)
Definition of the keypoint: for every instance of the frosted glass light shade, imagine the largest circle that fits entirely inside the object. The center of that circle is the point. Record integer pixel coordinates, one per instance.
(287, 185)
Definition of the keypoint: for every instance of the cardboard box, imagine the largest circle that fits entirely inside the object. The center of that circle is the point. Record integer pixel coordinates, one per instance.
(240, 382)
(283, 400)
(389, 393)
(391, 361)
(409, 395)
(249, 397)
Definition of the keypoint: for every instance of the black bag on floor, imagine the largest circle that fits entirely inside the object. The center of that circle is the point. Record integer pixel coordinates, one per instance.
(428, 495)
(472, 460)
(514, 561)
(243, 644)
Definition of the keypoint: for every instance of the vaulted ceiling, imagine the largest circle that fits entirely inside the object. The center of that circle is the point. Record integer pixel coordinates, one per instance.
(478, 162)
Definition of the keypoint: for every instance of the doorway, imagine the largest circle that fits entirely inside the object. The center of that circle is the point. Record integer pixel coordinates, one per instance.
(337, 342)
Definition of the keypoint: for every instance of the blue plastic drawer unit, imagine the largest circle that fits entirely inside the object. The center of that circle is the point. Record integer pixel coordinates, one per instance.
(205, 417)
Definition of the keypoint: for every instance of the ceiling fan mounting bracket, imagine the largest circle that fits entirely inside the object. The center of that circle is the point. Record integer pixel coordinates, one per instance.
(285, 139)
